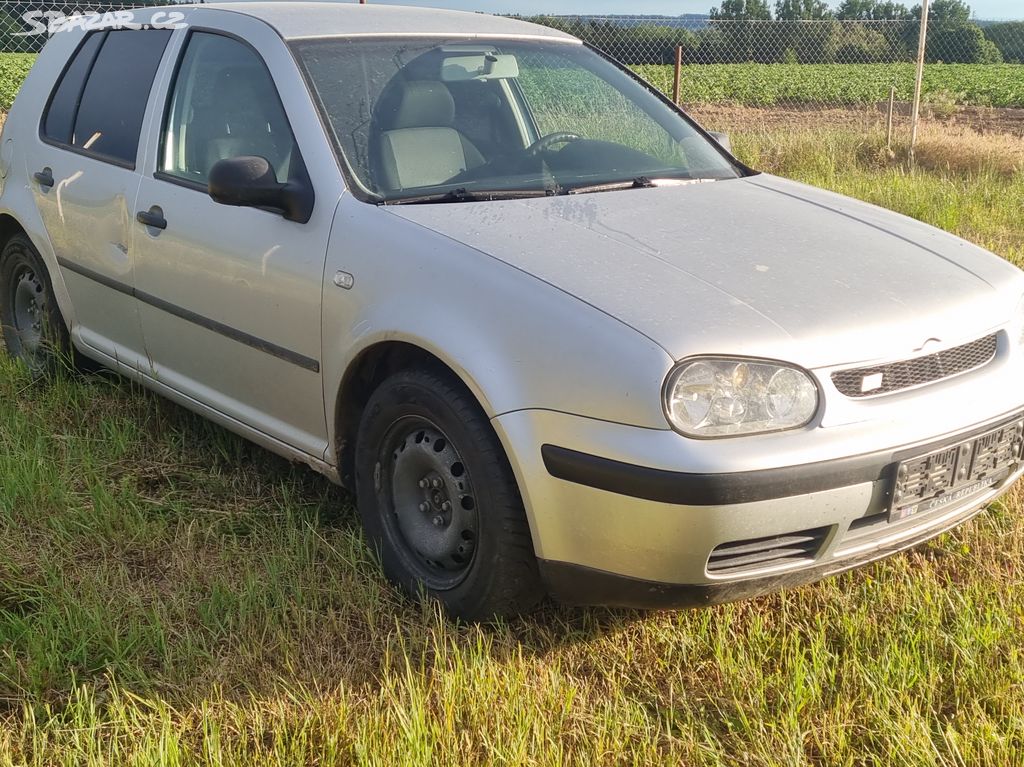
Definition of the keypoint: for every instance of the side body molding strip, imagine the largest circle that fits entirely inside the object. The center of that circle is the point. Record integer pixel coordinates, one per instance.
(293, 357)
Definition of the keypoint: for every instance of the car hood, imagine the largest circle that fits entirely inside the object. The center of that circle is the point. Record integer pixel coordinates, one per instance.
(758, 266)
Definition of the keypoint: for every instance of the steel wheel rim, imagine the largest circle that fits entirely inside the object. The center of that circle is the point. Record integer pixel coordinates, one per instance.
(431, 502)
(28, 301)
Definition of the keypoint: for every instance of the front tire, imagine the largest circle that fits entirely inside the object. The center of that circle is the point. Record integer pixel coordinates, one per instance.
(33, 328)
(438, 499)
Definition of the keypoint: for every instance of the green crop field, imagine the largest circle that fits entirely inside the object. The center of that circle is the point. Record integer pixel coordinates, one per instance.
(995, 85)
(987, 85)
(13, 70)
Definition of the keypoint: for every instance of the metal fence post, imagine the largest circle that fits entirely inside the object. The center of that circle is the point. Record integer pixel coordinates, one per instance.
(678, 75)
(922, 48)
(892, 118)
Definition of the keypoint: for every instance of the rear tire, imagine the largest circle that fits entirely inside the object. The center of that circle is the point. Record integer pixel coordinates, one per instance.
(33, 328)
(438, 499)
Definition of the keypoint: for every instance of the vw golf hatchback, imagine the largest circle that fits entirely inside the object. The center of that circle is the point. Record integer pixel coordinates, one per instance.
(552, 334)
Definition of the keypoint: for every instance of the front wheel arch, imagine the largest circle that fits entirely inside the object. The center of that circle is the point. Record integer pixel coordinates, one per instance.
(489, 570)
(362, 377)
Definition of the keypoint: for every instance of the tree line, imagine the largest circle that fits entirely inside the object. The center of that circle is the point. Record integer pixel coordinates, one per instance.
(807, 31)
(738, 31)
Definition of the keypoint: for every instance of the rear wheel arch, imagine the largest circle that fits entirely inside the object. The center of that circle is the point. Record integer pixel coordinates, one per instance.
(33, 328)
(9, 227)
(12, 230)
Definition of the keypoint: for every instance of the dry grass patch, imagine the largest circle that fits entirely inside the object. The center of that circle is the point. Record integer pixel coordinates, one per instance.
(962, 150)
(946, 149)
(967, 183)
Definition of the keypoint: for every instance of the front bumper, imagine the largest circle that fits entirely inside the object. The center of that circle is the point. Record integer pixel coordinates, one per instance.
(611, 531)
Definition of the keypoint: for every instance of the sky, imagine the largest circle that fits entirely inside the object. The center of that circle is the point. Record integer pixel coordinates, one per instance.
(983, 9)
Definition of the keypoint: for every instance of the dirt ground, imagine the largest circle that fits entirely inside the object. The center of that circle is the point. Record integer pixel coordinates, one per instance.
(980, 119)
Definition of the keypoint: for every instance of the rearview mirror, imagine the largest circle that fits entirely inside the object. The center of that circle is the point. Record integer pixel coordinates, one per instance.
(723, 139)
(481, 66)
(250, 182)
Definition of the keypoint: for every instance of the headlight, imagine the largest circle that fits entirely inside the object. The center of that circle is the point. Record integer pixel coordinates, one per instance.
(716, 397)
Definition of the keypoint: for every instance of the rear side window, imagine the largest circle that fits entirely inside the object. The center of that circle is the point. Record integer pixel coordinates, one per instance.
(60, 117)
(108, 111)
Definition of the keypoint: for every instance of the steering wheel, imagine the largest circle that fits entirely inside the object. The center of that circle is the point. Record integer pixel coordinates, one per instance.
(548, 141)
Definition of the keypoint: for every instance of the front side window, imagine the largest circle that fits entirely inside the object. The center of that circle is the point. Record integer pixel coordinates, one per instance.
(100, 103)
(224, 105)
(417, 119)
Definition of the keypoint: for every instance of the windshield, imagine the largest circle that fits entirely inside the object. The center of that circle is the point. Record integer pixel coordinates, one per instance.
(438, 120)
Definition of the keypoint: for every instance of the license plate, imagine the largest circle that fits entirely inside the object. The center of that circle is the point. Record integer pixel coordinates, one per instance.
(956, 473)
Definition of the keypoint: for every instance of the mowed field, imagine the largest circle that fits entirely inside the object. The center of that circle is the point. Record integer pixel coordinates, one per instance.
(172, 595)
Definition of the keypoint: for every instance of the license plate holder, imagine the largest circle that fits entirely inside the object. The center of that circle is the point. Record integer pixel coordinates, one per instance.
(956, 472)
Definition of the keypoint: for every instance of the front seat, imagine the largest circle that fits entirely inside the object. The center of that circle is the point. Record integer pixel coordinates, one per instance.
(419, 145)
(240, 118)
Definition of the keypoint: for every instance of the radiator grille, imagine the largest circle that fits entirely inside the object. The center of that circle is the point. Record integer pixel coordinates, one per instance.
(737, 557)
(906, 374)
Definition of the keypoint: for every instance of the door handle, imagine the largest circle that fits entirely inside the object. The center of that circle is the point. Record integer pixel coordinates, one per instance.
(44, 177)
(154, 217)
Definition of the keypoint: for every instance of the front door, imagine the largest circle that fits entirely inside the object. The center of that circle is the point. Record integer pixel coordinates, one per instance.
(229, 297)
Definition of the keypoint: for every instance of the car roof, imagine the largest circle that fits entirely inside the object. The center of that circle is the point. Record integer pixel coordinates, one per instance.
(297, 20)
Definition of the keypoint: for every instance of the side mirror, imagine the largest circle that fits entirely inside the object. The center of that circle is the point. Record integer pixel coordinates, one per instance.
(723, 139)
(250, 182)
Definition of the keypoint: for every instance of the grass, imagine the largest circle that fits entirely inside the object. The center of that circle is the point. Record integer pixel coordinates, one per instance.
(172, 595)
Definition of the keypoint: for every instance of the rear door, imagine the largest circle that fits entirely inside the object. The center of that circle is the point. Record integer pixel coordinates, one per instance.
(82, 166)
(229, 297)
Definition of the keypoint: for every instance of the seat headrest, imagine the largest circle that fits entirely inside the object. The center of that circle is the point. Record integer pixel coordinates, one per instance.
(244, 80)
(242, 96)
(422, 104)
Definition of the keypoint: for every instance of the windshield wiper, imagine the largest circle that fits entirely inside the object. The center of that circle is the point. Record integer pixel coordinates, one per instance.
(640, 182)
(464, 195)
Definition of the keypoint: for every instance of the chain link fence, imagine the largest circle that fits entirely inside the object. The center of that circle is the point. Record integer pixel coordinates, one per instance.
(26, 25)
(745, 75)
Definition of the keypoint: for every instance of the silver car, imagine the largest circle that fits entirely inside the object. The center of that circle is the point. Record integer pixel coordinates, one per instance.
(553, 335)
